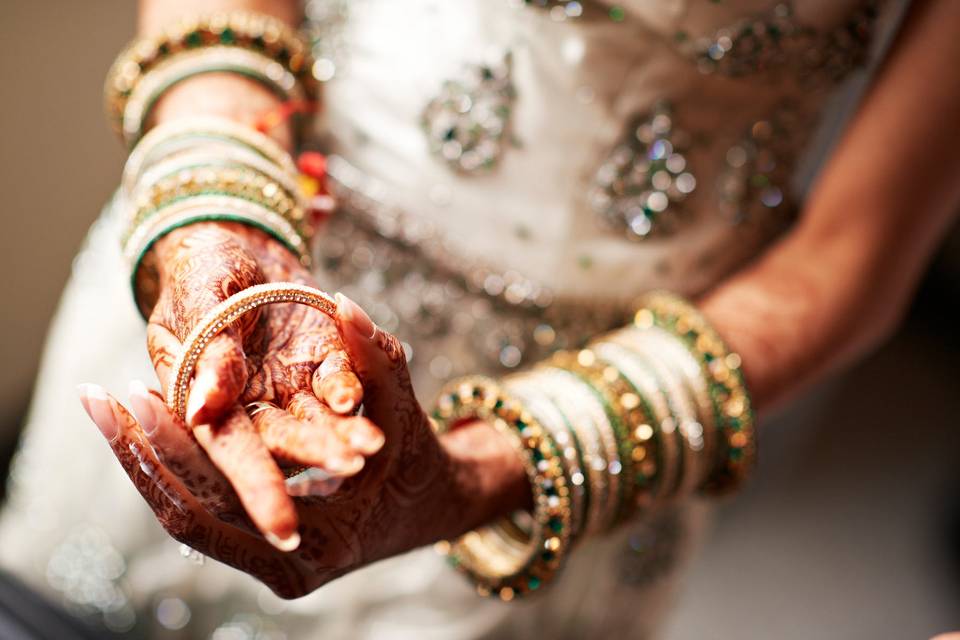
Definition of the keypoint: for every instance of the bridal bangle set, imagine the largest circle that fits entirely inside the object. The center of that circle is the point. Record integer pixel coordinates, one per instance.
(256, 46)
(643, 415)
(207, 168)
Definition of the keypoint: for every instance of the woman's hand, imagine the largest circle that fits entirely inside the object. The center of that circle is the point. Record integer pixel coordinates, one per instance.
(418, 489)
(285, 358)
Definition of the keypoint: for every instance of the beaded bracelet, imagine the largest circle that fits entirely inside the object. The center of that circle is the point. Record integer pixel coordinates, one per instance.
(169, 73)
(258, 33)
(728, 391)
(489, 555)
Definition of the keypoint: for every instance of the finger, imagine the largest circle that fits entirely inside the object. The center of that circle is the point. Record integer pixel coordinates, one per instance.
(236, 449)
(335, 383)
(180, 453)
(172, 504)
(379, 362)
(163, 347)
(221, 375)
(357, 432)
(302, 443)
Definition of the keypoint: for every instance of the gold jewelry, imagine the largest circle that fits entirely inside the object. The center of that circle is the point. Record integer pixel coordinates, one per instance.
(218, 59)
(224, 314)
(240, 30)
(563, 390)
(240, 182)
(186, 133)
(694, 466)
(500, 558)
(527, 388)
(626, 413)
(728, 391)
(656, 451)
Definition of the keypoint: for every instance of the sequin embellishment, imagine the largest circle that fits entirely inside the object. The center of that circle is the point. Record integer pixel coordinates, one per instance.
(641, 186)
(467, 124)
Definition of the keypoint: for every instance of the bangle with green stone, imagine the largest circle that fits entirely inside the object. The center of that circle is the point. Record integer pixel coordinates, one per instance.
(501, 560)
(721, 367)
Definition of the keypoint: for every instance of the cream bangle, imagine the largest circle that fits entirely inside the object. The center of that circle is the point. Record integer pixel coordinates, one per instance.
(182, 133)
(526, 388)
(224, 314)
(554, 383)
(681, 406)
(686, 364)
(661, 471)
(695, 465)
(584, 399)
(192, 63)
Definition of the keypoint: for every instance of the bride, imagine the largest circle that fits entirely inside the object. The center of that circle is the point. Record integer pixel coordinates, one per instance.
(513, 179)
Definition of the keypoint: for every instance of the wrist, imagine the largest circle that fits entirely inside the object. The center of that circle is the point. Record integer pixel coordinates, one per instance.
(487, 476)
(225, 95)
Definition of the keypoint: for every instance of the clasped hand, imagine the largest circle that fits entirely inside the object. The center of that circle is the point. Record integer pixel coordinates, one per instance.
(278, 389)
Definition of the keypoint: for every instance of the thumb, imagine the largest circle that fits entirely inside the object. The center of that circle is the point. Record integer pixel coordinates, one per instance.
(378, 360)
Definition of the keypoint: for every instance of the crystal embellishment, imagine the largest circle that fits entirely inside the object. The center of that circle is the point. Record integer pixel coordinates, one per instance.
(467, 123)
(641, 186)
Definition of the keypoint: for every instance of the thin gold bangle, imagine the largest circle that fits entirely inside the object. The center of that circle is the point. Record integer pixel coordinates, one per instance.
(224, 314)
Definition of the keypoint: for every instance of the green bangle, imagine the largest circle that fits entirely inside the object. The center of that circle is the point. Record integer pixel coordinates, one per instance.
(497, 559)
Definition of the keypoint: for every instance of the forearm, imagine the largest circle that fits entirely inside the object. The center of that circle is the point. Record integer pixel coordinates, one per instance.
(838, 284)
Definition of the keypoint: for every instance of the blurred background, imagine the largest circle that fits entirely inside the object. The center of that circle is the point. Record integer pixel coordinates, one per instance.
(851, 528)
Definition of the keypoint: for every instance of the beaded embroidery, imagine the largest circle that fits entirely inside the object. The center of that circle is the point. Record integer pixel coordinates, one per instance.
(466, 124)
(641, 186)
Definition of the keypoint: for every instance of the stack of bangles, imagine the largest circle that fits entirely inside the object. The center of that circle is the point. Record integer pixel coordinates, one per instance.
(643, 416)
(207, 168)
(256, 46)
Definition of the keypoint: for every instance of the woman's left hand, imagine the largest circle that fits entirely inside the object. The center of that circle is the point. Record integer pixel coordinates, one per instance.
(416, 490)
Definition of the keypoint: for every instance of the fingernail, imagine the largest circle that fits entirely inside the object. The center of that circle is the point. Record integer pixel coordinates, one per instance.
(200, 390)
(141, 403)
(97, 405)
(352, 313)
(342, 401)
(345, 467)
(287, 544)
(366, 443)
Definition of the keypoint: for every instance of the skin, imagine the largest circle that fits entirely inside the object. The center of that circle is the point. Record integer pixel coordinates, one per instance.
(872, 223)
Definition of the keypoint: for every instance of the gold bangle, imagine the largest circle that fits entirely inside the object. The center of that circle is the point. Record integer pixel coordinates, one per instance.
(499, 558)
(630, 414)
(260, 33)
(225, 313)
(728, 391)
(241, 182)
(217, 59)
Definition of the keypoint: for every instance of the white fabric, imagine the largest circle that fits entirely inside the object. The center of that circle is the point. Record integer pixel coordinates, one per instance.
(399, 53)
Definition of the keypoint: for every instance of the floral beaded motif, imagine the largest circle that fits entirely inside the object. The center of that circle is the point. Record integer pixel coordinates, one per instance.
(641, 186)
(467, 123)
